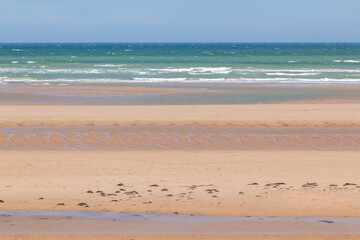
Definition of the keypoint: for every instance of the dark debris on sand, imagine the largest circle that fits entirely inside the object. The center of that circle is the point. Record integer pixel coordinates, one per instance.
(350, 184)
(311, 185)
(82, 204)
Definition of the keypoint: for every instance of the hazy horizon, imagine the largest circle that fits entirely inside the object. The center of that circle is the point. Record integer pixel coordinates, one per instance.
(180, 42)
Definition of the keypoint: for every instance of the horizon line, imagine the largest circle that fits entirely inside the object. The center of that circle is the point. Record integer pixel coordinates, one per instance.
(185, 42)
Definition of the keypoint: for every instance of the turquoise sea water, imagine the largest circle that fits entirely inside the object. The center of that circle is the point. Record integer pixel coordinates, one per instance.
(191, 62)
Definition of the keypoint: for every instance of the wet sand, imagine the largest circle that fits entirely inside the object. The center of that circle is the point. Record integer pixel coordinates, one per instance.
(232, 183)
(179, 138)
(90, 91)
(189, 93)
(198, 227)
(178, 237)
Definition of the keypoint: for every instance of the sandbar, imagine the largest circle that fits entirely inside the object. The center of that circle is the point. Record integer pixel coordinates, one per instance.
(268, 115)
(217, 183)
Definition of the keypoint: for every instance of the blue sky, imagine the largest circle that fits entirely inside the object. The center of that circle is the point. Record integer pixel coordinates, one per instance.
(179, 21)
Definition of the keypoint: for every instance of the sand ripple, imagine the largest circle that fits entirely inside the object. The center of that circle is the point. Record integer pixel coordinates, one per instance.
(178, 138)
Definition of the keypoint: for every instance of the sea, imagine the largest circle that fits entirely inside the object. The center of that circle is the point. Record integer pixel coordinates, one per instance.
(113, 63)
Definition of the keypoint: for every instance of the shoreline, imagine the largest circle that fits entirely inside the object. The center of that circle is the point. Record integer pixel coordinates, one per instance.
(79, 225)
(87, 225)
(179, 94)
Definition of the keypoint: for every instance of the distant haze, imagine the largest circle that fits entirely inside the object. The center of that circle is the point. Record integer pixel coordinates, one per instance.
(180, 21)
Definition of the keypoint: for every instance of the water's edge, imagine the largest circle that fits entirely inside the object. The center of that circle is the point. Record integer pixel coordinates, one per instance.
(95, 223)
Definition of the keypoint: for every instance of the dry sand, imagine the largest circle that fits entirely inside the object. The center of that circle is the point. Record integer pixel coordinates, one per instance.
(274, 183)
(178, 237)
(269, 115)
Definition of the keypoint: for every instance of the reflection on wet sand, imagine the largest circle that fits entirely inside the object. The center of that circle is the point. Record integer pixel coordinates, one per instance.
(178, 138)
(94, 223)
(176, 93)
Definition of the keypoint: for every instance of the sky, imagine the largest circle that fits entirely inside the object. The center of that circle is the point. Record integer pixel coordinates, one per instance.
(179, 21)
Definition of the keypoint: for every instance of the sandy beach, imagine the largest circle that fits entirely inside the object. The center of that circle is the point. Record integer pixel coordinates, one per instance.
(283, 160)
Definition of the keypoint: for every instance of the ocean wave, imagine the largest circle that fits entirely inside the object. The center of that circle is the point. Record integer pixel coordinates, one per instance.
(304, 70)
(110, 65)
(195, 70)
(47, 71)
(114, 69)
(22, 71)
(57, 81)
(302, 80)
(291, 74)
(346, 61)
(159, 79)
(75, 71)
(237, 80)
(351, 61)
(108, 80)
(43, 70)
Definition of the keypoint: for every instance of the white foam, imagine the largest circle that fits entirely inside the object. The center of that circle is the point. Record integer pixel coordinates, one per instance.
(17, 50)
(160, 79)
(195, 70)
(71, 71)
(291, 74)
(325, 70)
(30, 62)
(275, 80)
(346, 61)
(129, 71)
(120, 72)
(238, 80)
(302, 80)
(14, 62)
(110, 65)
(351, 61)
(75, 71)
